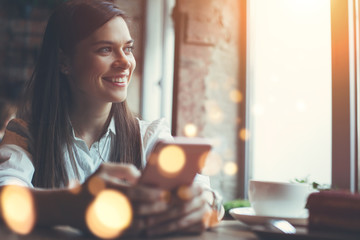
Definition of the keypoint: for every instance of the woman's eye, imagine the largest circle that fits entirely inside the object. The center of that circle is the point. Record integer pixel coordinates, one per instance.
(105, 50)
(128, 49)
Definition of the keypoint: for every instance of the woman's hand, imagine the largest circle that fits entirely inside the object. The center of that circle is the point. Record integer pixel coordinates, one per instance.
(189, 213)
(145, 201)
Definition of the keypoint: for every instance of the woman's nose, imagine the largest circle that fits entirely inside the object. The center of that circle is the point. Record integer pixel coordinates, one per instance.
(121, 61)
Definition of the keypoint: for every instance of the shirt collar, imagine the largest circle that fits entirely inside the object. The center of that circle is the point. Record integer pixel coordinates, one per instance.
(111, 128)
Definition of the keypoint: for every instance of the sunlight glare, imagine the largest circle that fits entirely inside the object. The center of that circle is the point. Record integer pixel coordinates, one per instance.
(300, 105)
(18, 210)
(109, 214)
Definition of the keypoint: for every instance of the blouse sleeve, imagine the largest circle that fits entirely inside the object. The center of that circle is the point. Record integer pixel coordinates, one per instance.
(18, 168)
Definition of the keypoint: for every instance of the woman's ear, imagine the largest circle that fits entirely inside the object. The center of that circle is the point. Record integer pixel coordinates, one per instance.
(64, 63)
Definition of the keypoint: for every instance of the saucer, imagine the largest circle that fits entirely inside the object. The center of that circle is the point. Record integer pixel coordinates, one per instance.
(248, 216)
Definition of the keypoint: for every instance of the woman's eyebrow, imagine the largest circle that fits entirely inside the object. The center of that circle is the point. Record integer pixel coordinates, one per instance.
(110, 42)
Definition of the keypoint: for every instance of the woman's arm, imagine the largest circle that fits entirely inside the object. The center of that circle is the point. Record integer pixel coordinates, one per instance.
(69, 206)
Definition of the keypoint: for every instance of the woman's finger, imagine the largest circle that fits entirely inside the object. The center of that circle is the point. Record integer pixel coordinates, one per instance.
(177, 211)
(177, 225)
(144, 194)
(150, 209)
(127, 172)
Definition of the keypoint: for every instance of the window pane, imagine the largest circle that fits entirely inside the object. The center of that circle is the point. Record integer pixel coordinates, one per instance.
(289, 76)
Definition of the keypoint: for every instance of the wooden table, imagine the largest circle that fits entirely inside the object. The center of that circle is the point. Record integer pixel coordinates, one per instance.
(226, 230)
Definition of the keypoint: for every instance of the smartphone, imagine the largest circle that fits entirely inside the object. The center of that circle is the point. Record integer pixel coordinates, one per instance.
(174, 163)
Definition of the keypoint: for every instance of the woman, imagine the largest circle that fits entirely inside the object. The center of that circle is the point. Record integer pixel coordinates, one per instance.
(76, 121)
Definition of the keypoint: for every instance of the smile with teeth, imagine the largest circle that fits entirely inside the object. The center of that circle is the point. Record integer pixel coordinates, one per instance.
(117, 79)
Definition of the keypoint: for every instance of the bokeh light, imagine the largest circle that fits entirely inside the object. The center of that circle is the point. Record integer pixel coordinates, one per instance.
(96, 185)
(18, 210)
(213, 164)
(244, 134)
(190, 130)
(109, 214)
(171, 160)
(214, 112)
(184, 193)
(236, 96)
(230, 168)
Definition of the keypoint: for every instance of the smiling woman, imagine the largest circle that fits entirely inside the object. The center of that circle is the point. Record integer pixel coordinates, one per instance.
(75, 127)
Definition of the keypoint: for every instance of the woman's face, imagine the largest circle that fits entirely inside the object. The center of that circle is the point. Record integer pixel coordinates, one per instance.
(103, 63)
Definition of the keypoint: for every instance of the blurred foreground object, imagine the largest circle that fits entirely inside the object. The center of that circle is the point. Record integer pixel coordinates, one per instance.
(334, 210)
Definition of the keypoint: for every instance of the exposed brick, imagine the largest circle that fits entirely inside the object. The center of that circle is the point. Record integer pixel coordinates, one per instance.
(18, 26)
(37, 27)
(34, 41)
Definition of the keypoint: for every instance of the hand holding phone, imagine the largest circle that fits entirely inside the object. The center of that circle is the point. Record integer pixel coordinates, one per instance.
(173, 163)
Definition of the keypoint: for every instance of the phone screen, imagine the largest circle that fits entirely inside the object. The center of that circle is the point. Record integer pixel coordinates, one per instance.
(175, 163)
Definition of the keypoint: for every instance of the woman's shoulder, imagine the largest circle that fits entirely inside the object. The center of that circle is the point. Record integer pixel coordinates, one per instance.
(152, 130)
(17, 132)
(152, 125)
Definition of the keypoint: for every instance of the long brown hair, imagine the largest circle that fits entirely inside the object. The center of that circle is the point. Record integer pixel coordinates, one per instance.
(48, 95)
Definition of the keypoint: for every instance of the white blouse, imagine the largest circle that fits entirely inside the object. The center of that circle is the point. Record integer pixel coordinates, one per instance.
(19, 169)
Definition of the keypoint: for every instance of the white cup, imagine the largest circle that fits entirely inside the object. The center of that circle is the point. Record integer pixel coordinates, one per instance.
(278, 199)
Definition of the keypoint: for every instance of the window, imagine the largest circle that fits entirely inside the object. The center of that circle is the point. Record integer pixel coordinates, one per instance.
(289, 74)
(301, 72)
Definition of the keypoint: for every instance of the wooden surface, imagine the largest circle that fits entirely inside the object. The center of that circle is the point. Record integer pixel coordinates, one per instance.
(226, 230)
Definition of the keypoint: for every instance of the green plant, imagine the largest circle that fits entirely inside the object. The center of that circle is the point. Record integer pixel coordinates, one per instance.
(314, 185)
(235, 204)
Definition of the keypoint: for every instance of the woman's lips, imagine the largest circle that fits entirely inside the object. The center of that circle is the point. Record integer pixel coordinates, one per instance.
(117, 80)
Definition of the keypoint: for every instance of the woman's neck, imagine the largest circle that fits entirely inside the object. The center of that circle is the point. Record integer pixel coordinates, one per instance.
(90, 123)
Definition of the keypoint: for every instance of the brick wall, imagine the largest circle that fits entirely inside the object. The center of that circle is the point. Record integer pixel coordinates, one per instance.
(207, 64)
(20, 39)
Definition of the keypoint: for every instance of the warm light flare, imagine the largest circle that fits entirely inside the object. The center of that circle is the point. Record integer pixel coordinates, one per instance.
(109, 214)
(236, 96)
(230, 168)
(190, 130)
(18, 210)
(244, 134)
(171, 160)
